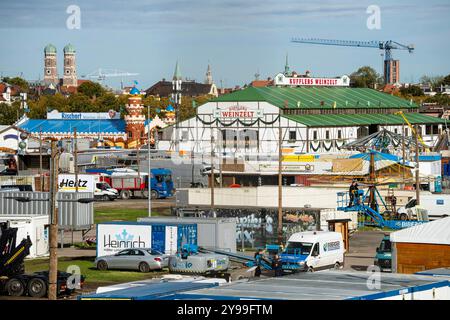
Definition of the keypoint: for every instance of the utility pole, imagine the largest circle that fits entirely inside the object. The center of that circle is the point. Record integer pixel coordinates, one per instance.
(417, 167)
(53, 265)
(280, 181)
(41, 178)
(75, 160)
(403, 149)
(138, 154)
(212, 173)
(149, 181)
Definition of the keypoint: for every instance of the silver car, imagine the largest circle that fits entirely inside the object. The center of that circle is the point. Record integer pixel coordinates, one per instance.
(142, 259)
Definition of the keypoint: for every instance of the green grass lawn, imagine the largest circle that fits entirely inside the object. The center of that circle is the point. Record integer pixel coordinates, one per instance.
(93, 276)
(120, 214)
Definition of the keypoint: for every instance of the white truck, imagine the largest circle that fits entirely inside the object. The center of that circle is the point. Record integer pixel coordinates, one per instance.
(312, 251)
(87, 183)
(436, 205)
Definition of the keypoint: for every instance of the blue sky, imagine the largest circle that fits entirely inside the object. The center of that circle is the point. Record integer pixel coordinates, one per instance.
(238, 38)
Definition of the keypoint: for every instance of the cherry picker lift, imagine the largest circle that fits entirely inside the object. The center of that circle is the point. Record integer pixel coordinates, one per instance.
(368, 203)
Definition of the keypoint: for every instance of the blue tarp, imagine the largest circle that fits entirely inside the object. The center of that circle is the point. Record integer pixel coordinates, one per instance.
(378, 156)
(115, 126)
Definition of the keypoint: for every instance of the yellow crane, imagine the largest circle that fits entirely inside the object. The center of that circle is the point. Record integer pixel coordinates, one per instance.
(419, 137)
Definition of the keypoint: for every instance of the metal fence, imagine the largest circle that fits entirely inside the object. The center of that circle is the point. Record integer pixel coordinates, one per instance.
(72, 215)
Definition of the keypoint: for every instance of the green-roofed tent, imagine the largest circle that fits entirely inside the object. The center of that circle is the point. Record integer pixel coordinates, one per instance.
(318, 97)
(345, 120)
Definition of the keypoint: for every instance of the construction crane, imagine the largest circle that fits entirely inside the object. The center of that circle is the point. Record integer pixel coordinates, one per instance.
(101, 75)
(387, 46)
(419, 137)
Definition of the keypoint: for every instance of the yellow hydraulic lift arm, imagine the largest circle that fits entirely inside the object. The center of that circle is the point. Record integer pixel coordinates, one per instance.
(413, 129)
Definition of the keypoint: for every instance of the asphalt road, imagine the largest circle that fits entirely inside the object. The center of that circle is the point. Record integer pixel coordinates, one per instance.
(363, 245)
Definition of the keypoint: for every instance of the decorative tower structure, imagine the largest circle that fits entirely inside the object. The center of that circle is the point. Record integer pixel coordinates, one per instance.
(70, 70)
(286, 67)
(170, 115)
(135, 120)
(209, 79)
(176, 98)
(50, 71)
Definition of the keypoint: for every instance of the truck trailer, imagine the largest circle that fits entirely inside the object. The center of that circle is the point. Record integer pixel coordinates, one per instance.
(131, 184)
(13, 279)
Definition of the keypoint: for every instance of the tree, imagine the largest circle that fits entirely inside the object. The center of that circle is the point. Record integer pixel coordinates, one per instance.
(91, 89)
(17, 81)
(433, 81)
(365, 77)
(412, 90)
(106, 102)
(80, 103)
(10, 113)
(446, 80)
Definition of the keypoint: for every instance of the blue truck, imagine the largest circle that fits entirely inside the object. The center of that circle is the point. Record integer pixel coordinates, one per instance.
(129, 184)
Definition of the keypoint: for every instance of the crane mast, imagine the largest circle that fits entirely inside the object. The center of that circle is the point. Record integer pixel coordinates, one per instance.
(387, 46)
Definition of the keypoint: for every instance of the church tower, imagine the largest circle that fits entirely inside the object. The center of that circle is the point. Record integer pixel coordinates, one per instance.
(50, 71)
(208, 79)
(286, 66)
(134, 120)
(70, 70)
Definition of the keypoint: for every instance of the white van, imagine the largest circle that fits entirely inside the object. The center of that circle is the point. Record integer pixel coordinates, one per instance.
(313, 250)
(436, 205)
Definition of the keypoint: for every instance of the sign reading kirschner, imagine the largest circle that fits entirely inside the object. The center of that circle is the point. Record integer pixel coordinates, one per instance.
(282, 80)
(83, 115)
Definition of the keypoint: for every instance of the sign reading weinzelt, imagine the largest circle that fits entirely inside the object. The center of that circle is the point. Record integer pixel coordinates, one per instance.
(83, 115)
(241, 112)
(282, 80)
(67, 183)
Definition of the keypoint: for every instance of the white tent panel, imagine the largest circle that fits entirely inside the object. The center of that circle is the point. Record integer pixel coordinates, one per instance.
(435, 232)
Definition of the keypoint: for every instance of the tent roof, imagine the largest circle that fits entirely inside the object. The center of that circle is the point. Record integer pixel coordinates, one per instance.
(435, 232)
(319, 97)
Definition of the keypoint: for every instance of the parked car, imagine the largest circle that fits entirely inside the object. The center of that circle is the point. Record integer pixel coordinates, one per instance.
(383, 257)
(8, 172)
(142, 259)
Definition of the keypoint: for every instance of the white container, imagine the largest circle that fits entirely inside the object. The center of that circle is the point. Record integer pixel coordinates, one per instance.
(34, 226)
(217, 233)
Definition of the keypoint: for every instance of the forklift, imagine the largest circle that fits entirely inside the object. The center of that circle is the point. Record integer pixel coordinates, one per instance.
(13, 280)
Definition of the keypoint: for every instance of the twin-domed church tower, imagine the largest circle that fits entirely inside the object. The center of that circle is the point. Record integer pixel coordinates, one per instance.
(50, 66)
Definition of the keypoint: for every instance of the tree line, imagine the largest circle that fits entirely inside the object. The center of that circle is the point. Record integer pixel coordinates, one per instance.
(90, 97)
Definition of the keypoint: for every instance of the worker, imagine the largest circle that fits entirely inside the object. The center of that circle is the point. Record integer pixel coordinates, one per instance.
(277, 266)
(353, 192)
(184, 253)
(258, 257)
(394, 204)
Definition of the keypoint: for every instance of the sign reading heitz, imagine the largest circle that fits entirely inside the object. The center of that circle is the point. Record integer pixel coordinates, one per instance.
(240, 112)
(282, 80)
(112, 238)
(67, 183)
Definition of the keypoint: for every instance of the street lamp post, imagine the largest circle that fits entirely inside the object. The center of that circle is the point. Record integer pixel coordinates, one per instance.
(149, 166)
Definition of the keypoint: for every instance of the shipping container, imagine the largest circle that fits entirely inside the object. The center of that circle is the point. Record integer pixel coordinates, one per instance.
(34, 226)
(217, 233)
(72, 215)
(113, 237)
